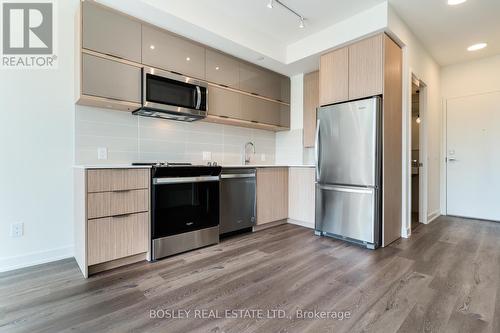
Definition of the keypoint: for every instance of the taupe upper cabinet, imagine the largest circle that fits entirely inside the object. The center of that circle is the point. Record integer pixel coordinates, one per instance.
(366, 67)
(264, 83)
(224, 103)
(311, 103)
(109, 32)
(110, 79)
(222, 69)
(334, 77)
(163, 50)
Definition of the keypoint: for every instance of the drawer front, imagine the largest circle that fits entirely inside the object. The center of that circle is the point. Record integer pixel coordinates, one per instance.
(105, 180)
(117, 237)
(105, 204)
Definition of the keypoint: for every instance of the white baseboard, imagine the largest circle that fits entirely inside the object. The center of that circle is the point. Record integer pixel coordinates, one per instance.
(35, 258)
(309, 225)
(434, 215)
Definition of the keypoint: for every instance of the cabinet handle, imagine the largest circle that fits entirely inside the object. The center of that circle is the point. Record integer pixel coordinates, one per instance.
(122, 216)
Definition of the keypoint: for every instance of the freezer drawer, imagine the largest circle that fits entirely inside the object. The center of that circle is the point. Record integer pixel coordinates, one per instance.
(348, 212)
(348, 137)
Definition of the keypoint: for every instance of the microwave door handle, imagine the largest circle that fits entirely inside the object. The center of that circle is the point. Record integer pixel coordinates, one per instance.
(198, 100)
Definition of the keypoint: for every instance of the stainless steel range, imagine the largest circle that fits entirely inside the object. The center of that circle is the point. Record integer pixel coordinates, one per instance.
(184, 207)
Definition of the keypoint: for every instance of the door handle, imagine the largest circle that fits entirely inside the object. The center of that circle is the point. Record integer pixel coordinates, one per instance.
(316, 149)
(198, 100)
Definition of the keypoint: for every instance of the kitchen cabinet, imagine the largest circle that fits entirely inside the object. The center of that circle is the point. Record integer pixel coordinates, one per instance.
(110, 79)
(260, 110)
(166, 51)
(222, 69)
(112, 214)
(311, 103)
(301, 200)
(366, 67)
(272, 195)
(224, 103)
(259, 81)
(334, 77)
(109, 32)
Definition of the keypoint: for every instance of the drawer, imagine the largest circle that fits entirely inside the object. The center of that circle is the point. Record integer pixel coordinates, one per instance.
(117, 237)
(105, 204)
(104, 180)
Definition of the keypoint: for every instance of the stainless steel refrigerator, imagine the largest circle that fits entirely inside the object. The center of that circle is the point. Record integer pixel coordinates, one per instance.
(348, 171)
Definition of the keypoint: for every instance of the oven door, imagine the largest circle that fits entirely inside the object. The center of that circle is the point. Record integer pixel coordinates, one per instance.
(175, 93)
(181, 205)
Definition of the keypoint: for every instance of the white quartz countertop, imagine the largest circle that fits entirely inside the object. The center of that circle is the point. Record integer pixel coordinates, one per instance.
(129, 166)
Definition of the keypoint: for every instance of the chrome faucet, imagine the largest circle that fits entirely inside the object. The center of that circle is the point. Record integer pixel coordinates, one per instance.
(247, 154)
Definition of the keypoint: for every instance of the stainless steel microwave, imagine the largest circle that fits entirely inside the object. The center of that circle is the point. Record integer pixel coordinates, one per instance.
(172, 96)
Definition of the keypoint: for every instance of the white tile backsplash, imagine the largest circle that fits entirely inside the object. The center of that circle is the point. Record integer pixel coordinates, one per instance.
(130, 138)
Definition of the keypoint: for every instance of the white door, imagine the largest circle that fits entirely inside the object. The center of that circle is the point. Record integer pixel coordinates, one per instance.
(473, 156)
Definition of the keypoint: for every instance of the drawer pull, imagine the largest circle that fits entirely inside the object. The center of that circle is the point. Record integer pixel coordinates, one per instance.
(122, 216)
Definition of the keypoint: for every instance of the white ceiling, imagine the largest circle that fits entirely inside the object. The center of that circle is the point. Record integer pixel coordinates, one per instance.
(446, 31)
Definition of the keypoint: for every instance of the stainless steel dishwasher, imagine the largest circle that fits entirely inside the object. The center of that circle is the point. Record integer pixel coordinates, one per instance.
(237, 200)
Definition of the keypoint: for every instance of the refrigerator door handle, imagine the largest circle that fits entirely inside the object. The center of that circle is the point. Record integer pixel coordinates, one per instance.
(346, 189)
(316, 149)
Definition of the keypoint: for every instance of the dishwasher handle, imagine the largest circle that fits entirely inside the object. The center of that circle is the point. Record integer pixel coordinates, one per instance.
(236, 175)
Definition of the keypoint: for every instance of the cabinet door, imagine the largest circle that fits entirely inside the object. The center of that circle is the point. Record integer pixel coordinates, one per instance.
(285, 116)
(272, 194)
(117, 237)
(109, 32)
(285, 89)
(366, 68)
(252, 79)
(302, 191)
(311, 102)
(260, 110)
(225, 103)
(110, 79)
(164, 50)
(222, 69)
(334, 77)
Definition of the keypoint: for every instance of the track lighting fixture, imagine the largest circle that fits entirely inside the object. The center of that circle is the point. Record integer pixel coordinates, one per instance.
(270, 5)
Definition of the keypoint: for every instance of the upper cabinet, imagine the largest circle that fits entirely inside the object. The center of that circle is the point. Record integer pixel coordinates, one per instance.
(109, 32)
(311, 103)
(222, 69)
(353, 72)
(334, 77)
(259, 81)
(366, 67)
(166, 51)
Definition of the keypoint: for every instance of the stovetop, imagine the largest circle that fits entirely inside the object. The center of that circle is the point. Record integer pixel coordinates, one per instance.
(162, 170)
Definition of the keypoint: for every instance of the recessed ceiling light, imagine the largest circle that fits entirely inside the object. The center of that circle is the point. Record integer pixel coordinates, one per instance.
(477, 46)
(455, 2)
(270, 4)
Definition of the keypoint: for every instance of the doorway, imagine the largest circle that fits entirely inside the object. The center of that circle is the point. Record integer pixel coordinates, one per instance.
(416, 155)
(472, 159)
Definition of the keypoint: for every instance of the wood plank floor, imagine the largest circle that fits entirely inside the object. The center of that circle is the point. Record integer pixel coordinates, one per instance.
(445, 278)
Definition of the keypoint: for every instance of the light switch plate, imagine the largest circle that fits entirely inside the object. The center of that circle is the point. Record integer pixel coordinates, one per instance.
(102, 153)
(207, 156)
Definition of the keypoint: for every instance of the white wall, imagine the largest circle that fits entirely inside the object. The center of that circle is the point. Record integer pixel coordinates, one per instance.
(36, 139)
(471, 78)
(421, 63)
(130, 138)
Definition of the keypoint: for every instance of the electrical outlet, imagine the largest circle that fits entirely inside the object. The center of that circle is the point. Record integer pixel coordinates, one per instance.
(262, 157)
(17, 230)
(207, 156)
(102, 153)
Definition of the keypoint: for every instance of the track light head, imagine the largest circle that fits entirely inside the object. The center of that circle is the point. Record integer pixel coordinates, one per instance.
(270, 4)
(301, 24)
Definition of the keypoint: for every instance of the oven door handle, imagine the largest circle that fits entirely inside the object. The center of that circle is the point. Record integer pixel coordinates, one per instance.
(183, 180)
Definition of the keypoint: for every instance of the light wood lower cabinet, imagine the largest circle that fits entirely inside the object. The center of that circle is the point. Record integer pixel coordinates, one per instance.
(272, 195)
(117, 237)
(112, 214)
(301, 200)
